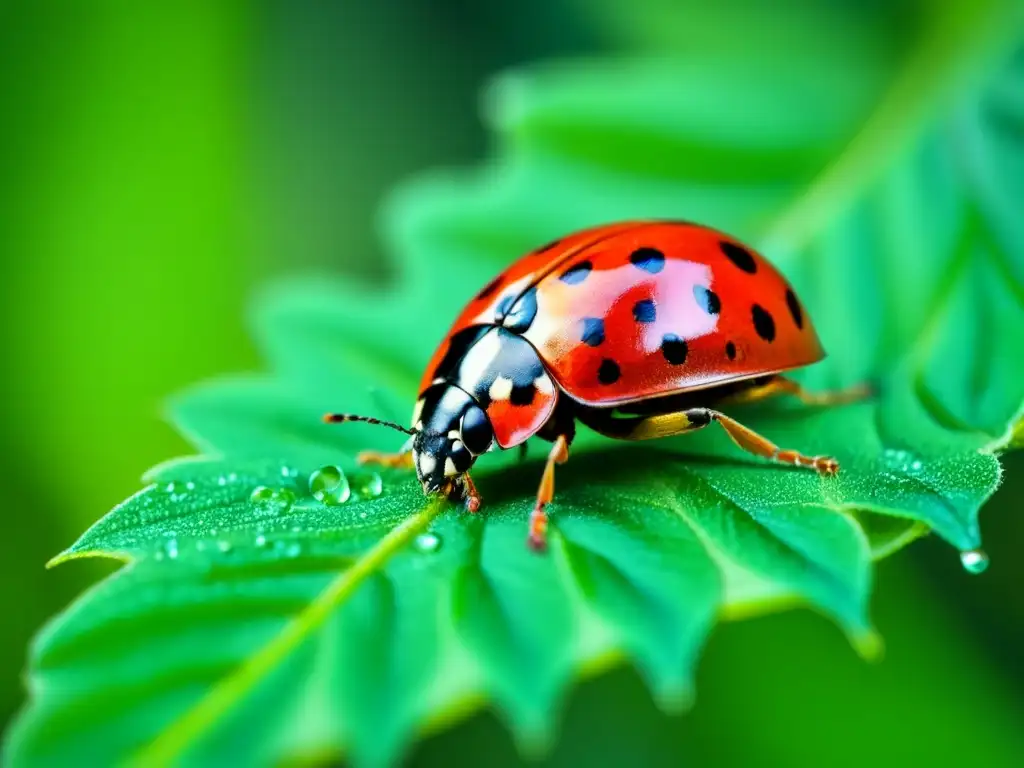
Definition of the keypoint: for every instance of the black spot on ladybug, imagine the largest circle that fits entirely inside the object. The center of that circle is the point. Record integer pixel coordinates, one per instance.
(547, 246)
(520, 316)
(490, 288)
(794, 308)
(522, 395)
(763, 323)
(593, 331)
(730, 351)
(707, 300)
(739, 256)
(577, 273)
(648, 259)
(609, 372)
(674, 349)
(644, 311)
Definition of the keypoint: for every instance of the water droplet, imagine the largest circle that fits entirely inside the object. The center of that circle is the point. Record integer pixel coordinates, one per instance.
(260, 494)
(190, 486)
(329, 485)
(288, 472)
(370, 486)
(362, 515)
(172, 487)
(276, 500)
(222, 480)
(916, 465)
(171, 548)
(232, 477)
(224, 546)
(974, 560)
(294, 549)
(261, 540)
(427, 542)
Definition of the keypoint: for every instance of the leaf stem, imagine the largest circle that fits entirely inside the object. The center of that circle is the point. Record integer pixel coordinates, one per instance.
(180, 734)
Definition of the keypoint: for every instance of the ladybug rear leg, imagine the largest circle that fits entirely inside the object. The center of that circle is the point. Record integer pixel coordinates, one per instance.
(780, 385)
(669, 424)
(538, 518)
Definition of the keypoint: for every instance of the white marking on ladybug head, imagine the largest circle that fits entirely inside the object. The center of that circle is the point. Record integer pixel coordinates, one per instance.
(449, 468)
(427, 464)
(454, 434)
(457, 446)
(501, 389)
(544, 384)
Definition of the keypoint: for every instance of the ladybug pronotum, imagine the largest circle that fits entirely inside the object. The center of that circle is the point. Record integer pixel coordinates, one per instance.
(635, 329)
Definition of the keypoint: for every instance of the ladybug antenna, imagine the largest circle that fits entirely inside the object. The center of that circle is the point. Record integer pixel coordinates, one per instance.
(338, 418)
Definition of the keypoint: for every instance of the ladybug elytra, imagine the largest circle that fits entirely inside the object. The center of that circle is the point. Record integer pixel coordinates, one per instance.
(635, 329)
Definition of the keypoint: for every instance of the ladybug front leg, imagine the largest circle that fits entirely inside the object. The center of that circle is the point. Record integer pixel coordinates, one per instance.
(538, 518)
(401, 460)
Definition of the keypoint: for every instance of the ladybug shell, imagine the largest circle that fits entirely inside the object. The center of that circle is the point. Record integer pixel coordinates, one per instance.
(637, 310)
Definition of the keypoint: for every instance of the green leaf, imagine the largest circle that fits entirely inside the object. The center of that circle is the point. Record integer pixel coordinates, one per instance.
(253, 621)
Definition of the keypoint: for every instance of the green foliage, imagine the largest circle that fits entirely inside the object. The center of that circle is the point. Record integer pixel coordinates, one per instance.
(254, 620)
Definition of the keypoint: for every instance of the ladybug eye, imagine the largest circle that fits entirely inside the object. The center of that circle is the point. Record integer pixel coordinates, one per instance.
(476, 430)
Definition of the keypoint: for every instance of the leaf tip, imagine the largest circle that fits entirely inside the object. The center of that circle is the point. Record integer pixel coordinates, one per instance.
(869, 644)
(73, 554)
(674, 697)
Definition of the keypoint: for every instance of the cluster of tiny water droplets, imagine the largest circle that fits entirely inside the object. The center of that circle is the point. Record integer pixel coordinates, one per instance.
(179, 491)
(903, 460)
(330, 485)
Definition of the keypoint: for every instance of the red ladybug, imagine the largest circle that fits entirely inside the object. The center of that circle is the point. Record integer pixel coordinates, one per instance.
(633, 328)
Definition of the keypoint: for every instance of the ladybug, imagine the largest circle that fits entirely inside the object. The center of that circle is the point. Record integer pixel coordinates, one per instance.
(635, 329)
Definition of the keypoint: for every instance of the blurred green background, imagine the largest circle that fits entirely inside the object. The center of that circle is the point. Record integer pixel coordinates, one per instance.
(159, 162)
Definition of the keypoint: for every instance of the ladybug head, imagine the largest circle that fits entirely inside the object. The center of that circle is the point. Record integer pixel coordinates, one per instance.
(451, 431)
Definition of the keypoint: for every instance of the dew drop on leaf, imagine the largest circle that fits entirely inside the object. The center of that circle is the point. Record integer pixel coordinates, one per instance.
(329, 485)
(370, 486)
(261, 541)
(224, 546)
(275, 500)
(289, 472)
(974, 560)
(427, 542)
(171, 548)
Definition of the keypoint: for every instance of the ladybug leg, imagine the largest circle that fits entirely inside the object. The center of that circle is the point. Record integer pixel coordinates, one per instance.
(779, 385)
(752, 442)
(471, 494)
(538, 518)
(669, 424)
(834, 397)
(402, 460)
